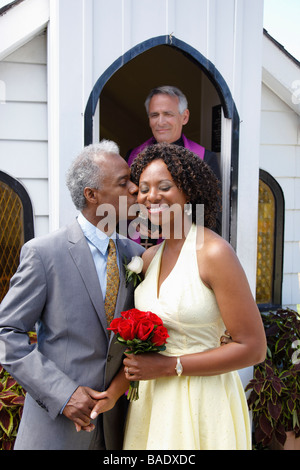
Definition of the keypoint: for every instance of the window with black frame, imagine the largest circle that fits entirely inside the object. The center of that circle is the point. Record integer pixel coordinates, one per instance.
(270, 235)
(16, 227)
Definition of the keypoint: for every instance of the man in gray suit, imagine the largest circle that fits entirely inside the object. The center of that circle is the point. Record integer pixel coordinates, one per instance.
(59, 287)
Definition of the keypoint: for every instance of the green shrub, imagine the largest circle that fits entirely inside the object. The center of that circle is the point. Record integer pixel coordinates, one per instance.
(12, 397)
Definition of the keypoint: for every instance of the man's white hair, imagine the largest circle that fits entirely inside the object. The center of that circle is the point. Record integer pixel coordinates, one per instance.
(105, 146)
(170, 91)
(84, 172)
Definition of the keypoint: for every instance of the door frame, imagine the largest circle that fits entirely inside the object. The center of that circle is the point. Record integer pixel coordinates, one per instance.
(230, 121)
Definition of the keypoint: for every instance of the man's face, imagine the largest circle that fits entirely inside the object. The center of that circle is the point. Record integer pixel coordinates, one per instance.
(115, 183)
(164, 118)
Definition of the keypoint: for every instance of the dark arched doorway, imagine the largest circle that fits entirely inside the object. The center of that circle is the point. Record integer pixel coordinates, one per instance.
(115, 109)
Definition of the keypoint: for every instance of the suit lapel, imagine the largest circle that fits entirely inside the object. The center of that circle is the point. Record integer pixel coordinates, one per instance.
(82, 257)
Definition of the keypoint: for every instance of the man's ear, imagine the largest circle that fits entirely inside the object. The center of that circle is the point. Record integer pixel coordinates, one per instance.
(185, 117)
(91, 195)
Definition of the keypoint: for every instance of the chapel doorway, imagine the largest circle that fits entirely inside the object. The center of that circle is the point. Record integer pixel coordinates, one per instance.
(115, 109)
(123, 116)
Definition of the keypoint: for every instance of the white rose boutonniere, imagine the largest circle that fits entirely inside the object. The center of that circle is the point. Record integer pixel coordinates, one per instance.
(133, 270)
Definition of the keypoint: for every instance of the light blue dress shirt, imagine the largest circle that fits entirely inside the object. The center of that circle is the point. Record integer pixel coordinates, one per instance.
(98, 243)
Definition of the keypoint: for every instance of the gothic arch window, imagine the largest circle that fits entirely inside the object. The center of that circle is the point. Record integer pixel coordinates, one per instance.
(16, 227)
(270, 236)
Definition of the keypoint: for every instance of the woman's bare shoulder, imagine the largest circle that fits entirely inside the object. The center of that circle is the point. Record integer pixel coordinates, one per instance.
(211, 244)
(216, 257)
(148, 256)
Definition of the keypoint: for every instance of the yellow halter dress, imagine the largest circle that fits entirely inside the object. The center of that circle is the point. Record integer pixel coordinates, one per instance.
(186, 413)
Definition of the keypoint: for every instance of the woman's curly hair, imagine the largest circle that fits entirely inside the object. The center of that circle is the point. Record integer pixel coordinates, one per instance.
(190, 174)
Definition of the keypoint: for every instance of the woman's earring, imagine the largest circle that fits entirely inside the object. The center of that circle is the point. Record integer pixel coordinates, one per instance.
(188, 209)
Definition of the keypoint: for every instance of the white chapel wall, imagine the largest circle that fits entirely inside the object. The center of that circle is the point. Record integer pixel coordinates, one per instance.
(280, 156)
(23, 124)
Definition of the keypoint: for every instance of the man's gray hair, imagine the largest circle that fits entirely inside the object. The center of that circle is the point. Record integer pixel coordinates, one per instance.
(84, 172)
(171, 91)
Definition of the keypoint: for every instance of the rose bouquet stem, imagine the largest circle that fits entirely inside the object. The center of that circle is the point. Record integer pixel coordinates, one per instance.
(133, 391)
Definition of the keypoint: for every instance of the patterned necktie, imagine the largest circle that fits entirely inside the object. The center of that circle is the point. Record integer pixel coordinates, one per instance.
(112, 282)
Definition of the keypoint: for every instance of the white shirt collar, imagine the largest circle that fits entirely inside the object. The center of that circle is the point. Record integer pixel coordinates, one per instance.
(94, 235)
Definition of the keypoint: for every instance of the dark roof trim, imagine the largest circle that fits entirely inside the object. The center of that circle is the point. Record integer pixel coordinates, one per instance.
(281, 47)
(10, 5)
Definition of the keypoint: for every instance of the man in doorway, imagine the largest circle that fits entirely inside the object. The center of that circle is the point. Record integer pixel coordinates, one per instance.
(62, 285)
(167, 110)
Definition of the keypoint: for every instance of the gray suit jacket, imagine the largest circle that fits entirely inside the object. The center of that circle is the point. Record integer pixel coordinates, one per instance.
(56, 289)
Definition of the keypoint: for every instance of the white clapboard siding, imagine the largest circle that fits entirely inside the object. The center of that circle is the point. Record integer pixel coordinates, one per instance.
(23, 121)
(23, 124)
(13, 153)
(38, 190)
(32, 52)
(209, 26)
(279, 156)
(24, 82)
(280, 152)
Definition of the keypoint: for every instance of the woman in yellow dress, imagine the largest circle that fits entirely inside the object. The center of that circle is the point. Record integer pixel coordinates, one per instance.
(190, 395)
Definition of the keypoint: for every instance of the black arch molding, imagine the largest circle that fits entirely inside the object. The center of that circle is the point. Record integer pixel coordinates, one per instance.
(19, 189)
(228, 105)
(276, 189)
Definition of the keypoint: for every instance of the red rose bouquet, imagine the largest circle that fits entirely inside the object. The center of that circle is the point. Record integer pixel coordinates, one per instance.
(141, 332)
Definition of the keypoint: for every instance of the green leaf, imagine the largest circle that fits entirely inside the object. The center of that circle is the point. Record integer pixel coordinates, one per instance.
(7, 397)
(258, 387)
(295, 419)
(121, 340)
(291, 405)
(277, 386)
(10, 383)
(6, 421)
(265, 425)
(274, 410)
(18, 400)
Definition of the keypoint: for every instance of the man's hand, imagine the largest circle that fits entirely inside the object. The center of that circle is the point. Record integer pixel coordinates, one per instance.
(226, 338)
(79, 407)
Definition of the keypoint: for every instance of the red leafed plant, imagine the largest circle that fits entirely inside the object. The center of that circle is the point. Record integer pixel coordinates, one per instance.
(12, 398)
(275, 388)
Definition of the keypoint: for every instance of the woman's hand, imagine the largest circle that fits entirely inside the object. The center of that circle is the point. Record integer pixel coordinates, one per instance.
(108, 399)
(148, 366)
(105, 403)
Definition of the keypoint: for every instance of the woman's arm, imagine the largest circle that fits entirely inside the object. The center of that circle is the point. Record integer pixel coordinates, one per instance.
(221, 271)
(117, 388)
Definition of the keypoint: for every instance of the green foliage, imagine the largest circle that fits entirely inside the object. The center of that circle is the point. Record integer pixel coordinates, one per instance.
(12, 398)
(137, 346)
(275, 388)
